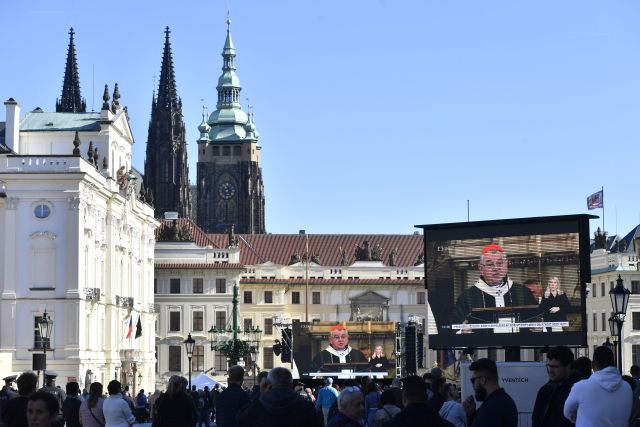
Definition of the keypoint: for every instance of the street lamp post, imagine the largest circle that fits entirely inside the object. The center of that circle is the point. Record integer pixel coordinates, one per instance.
(45, 327)
(189, 343)
(619, 301)
(226, 341)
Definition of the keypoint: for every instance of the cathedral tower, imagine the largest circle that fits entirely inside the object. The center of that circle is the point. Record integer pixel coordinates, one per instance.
(71, 101)
(230, 188)
(166, 172)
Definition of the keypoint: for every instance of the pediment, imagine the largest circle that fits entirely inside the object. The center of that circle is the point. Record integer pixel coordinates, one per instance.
(369, 297)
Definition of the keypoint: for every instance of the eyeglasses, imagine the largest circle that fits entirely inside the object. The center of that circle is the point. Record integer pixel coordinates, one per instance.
(339, 337)
(550, 366)
(497, 264)
(473, 379)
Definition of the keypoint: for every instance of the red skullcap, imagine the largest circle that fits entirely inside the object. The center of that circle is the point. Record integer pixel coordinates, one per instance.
(492, 247)
(338, 327)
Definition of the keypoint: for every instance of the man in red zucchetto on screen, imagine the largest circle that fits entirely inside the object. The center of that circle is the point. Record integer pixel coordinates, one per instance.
(494, 288)
(338, 350)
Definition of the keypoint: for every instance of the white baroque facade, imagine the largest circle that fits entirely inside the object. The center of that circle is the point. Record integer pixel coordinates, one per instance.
(77, 244)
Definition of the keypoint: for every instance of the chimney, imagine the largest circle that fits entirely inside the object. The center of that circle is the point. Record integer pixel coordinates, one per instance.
(12, 136)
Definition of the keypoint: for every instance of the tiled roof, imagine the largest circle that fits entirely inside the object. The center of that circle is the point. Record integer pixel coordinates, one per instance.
(197, 266)
(249, 281)
(43, 121)
(278, 248)
(194, 232)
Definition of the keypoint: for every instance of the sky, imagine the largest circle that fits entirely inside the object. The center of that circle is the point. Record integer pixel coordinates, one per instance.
(375, 115)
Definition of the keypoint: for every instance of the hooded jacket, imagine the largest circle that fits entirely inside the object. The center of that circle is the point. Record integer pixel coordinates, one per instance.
(281, 407)
(603, 400)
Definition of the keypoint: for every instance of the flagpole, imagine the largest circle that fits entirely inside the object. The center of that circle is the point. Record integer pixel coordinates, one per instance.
(602, 189)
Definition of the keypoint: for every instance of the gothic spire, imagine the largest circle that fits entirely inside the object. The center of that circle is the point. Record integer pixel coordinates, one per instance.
(167, 95)
(71, 101)
(166, 170)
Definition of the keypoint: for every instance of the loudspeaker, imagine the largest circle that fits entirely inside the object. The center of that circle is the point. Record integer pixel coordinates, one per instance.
(410, 350)
(39, 361)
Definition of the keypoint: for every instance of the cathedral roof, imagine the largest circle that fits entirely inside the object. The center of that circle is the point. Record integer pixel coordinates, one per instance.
(188, 231)
(58, 122)
(278, 248)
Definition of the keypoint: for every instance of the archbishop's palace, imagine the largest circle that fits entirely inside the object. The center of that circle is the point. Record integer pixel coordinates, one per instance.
(128, 263)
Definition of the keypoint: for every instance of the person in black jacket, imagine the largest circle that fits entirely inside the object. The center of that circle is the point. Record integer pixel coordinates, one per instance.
(549, 406)
(175, 408)
(279, 405)
(498, 408)
(71, 405)
(232, 399)
(417, 410)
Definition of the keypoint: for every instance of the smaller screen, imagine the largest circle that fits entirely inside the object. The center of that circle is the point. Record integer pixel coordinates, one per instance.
(345, 350)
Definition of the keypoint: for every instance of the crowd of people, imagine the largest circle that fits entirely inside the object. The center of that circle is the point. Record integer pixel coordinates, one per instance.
(579, 392)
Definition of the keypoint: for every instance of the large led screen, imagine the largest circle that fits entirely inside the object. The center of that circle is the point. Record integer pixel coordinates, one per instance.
(518, 282)
(344, 349)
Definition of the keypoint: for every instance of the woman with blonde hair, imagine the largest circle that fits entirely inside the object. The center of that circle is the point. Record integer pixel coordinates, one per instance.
(554, 304)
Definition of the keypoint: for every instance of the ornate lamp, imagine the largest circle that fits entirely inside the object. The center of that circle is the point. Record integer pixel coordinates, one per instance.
(619, 298)
(45, 326)
(188, 344)
(619, 301)
(3, 189)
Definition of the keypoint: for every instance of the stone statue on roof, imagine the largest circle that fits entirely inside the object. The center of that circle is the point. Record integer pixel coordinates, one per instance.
(344, 259)
(232, 239)
(121, 177)
(295, 258)
(393, 257)
(419, 259)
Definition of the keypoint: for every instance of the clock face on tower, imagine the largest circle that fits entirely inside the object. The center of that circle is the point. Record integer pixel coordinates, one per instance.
(227, 190)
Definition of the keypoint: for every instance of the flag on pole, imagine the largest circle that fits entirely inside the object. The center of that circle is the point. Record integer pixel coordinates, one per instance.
(130, 328)
(595, 201)
(139, 328)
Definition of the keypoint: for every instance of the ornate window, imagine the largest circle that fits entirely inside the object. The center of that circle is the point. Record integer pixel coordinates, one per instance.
(248, 297)
(175, 358)
(198, 285)
(267, 358)
(198, 321)
(268, 326)
(221, 320)
(174, 286)
(268, 297)
(174, 321)
(197, 360)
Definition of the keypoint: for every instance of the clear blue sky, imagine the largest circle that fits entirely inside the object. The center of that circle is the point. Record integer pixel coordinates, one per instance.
(376, 115)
